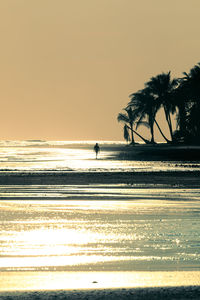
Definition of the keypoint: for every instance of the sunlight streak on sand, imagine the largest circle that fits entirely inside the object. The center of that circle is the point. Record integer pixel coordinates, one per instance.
(13, 281)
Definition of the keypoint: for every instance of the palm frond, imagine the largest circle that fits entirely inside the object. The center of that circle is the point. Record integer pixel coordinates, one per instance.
(122, 118)
(126, 133)
(144, 123)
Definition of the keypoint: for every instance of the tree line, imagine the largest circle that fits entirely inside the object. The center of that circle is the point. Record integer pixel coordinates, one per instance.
(176, 96)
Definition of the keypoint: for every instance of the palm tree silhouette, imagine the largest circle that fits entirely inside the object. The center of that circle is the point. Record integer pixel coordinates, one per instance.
(190, 84)
(147, 107)
(161, 87)
(144, 106)
(126, 133)
(180, 96)
(181, 102)
(129, 118)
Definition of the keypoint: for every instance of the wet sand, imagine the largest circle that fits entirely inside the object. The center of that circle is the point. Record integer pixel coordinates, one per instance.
(100, 285)
(183, 293)
(164, 178)
(184, 179)
(160, 152)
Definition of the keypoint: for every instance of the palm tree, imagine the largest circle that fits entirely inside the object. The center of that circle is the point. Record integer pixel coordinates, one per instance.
(129, 118)
(126, 133)
(161, 88)
(146, 107)
(143, 105)
(192, 83)
(181, 96)
(181, 102)
(191, 86)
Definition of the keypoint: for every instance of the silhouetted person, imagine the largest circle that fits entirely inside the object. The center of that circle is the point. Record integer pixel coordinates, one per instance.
(96, 149)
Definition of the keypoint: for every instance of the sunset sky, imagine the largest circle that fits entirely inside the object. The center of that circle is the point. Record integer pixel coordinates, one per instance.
(67, 67)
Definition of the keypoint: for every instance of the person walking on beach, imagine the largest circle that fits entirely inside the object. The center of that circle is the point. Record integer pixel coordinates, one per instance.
(96, 149)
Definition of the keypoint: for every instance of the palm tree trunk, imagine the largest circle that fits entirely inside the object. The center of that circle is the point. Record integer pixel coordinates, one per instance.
(132, 136)
(142, 138)
(168, 119)
(170, 126)
(152, 134)
(151, 124)
(126, 133)
(161, 131)
(182, 119)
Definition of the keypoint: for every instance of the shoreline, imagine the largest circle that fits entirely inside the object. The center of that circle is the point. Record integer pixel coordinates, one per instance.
(189, 179)
(100, 285)
(160, 152)
(95, 185)
(153, 293)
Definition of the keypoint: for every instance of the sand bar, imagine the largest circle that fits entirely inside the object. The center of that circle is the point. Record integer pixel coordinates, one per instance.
(165, 178)
(167, 293)
(100, 285)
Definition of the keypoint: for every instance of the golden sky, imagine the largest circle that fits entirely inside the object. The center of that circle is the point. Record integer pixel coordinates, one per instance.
(67, 67)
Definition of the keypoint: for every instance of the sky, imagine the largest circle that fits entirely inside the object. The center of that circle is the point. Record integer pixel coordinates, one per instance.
(67, 67)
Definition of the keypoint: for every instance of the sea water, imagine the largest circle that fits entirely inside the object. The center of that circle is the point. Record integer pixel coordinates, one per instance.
(101, 235)
(98, 228)
(64, 156)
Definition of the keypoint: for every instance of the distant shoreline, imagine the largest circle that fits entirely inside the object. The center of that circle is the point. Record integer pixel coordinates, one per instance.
(160, 152)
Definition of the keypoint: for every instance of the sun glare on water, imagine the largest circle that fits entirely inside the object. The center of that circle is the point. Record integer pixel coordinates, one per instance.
(108, 243)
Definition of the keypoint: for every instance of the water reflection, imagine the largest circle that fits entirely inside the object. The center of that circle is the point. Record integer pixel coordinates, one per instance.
(100, 235)
(67, 157)
(95, 192)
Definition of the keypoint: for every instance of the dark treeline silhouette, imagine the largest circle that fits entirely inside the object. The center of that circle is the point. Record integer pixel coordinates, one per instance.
(179, 97)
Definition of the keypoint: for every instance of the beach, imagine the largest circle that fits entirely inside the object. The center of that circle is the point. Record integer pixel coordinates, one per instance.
(146, 179)
(99, 150)
(73, 227)
(176, 293)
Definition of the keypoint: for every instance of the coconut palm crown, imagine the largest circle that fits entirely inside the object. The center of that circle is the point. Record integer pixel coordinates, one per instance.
(175, 96)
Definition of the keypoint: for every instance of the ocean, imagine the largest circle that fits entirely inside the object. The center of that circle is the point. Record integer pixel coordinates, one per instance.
(66, 156)
(62, 229)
